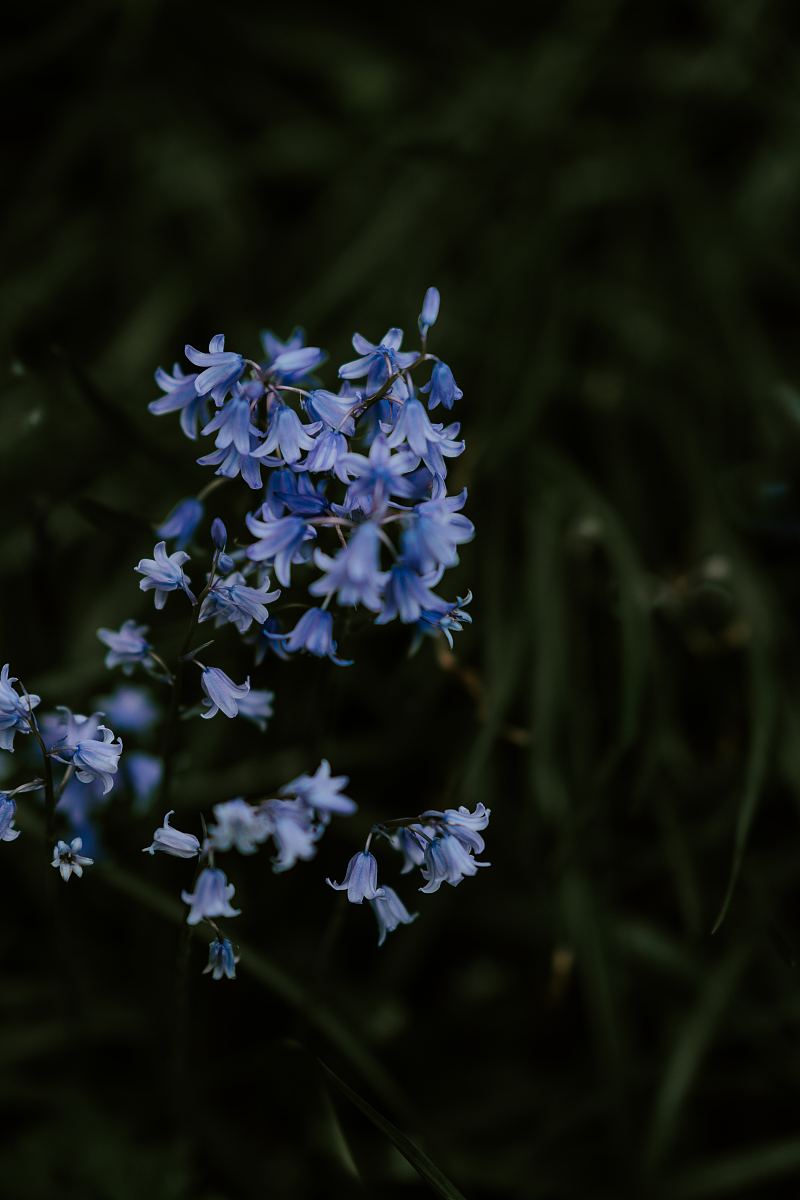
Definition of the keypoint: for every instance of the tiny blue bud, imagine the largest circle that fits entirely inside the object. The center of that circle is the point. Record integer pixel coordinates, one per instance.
(430, 310)
(219, 534)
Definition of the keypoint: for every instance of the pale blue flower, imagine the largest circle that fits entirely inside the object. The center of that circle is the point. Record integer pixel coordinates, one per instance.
(322, 791)
(447, 861)
(231, 463)
(335, 411)
(287, 434)
(312, 634)
(390, 912)
(8, 811)
(354, 574)
(223, 694)
(221, 960)
(377, 362)
(328, 454)
(293, 831)
(378, 477)
(442, 387)
(222, 368)
(430, 311)
(164, 574)
(430, 442)
(407, 594)
(15, 711)
(282, 541)
(127, 646)
(181, 396)
(290, 361)
(232, 424)
(410, 841)
(211, 897)
(89, 747)
(434, 529)
(172, 841)
(233, 601)
(448, 623)
(361, 879)
(181, 523)
(239, 826)
(68, 859)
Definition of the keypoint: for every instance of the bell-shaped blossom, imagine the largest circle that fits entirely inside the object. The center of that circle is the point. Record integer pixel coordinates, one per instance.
(334, 411)
(447, 861)
(462, 824)
(222, 368)
(182, 522)
(390, 912)
(328, 454)
(433, 530)
(8, 811)
(322, 791)
(377, 362)
(407, 594)
(257, 706)
(312, 634)
(15, 710)
(221, 960)
(430, 442)
(290, 361)
(354, 575)
(232, 601)
(98, 759)
(442, 387)
(127, 646)
(281, 540)
(211, 897)
(286, 434)
(163, 573)
(293, 831)
(181, 396)
(67, 858)
(231, 463)
(232, 423)
(238, 826)
(430, 311)
(360, 880)
(294, 493)
(223, 695)
(411, 842)
(453, 621)
(379, 476)
(172, 841)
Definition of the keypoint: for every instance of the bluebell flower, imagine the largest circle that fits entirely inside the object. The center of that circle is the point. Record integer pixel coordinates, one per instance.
(295, 493)
(434, 529)
(462, 824)
(181, 523)
(223, 694)
(239, 826)
(293, 831)
(211, 897)
(410, 841)
(143, 772)
(377, 362)
(322, 791)
(447, 861)
(15, 710)
(390, 912)
(221, 960)
(407, 594)
(173, 841)
(441, 387)
(127, 646)
(232, 424)
(430, 311)
(361, 879)
(354, 574)
(130, 709)
(8, 811)
(283, 362)
(448, 623)
(222, 368)
(432, 443)
(164, 574)
(232, 601)
(378, 476)
(281, 540)
(334, 411)
(313, 634)
(231, 463)
(327, 454)
(90, 748)
(68, 859)
(287, 434)
(257, 706)
(219, 534)
(181, 396)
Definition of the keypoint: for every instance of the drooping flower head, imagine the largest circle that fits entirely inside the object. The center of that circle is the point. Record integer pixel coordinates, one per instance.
(173, 842)
(221, 960)
(390, 912)
(127, 646)
(222, 694)
(211, 897)
(163, 573)
(15, 710)
(360, 880)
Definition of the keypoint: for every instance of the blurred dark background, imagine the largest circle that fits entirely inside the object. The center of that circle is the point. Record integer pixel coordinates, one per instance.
(607, 197)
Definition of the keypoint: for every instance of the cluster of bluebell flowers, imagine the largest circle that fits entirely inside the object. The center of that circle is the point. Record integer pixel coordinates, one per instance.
(348, 508)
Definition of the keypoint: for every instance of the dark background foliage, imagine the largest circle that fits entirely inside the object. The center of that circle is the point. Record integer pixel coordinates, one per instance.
(607, 198)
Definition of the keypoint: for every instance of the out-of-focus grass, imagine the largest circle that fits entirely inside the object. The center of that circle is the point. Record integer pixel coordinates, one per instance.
(607, 199)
